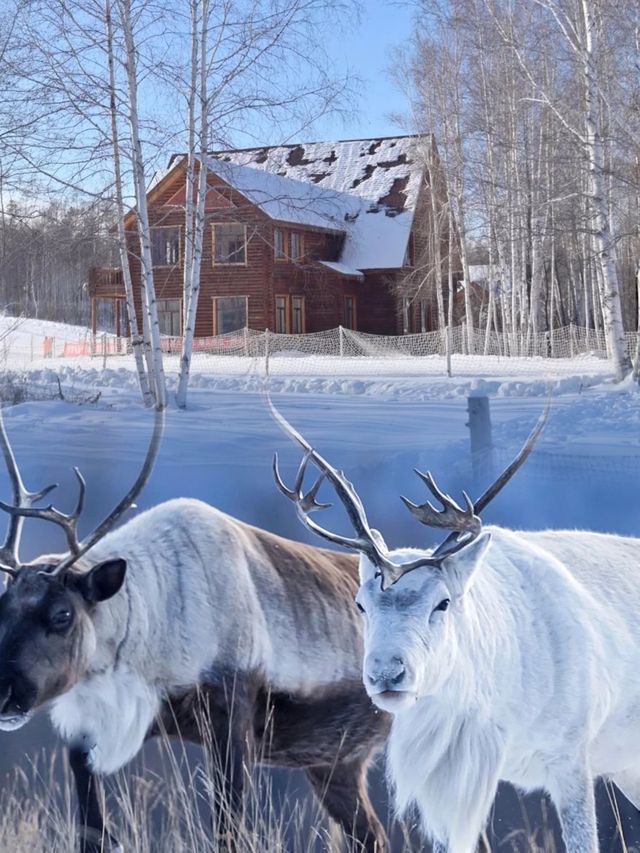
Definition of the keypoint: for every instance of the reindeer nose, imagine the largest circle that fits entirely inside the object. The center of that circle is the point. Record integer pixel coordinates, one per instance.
(385, 673)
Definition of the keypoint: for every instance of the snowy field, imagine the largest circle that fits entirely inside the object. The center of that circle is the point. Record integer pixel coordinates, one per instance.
(584, 472)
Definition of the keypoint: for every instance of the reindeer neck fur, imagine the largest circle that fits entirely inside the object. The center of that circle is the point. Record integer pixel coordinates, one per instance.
(456, 733)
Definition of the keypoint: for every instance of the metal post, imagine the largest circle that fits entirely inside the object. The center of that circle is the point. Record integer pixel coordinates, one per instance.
(104, 350)
(479, 424)
(266, 352)
(341, 340)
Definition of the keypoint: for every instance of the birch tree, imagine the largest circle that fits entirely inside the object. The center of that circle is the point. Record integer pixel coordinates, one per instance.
(137, 342)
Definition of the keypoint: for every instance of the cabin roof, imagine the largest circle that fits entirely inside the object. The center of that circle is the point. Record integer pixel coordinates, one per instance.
(366, 188)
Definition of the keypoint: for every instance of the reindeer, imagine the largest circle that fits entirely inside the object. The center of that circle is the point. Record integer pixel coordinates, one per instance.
(180, 612)
(501, 655)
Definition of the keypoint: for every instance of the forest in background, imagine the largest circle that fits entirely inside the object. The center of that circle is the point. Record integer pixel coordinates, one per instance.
(45, 255)
(535, 108)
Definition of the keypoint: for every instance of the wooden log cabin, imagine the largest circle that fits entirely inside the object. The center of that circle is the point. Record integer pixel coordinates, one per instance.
(298, 238)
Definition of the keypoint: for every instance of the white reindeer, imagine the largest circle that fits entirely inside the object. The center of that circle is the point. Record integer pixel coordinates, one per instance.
(181, 614)
(501, 655)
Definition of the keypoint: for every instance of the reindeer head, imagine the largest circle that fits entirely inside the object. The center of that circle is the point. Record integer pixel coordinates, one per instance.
(47, 636)
(409, 598)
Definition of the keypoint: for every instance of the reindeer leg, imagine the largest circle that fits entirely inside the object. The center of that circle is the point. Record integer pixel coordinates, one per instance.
(574, 800)
(228, 704)
(93, 836)
(342, 789)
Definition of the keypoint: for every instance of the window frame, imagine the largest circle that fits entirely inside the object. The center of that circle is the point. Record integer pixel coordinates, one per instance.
(216, 263)
(181, 313)
(354, 301)
(177, 228)
(303, 315)
(284, 257)
(406, 315)
(300, 237)
(287, 313)
(214, 306)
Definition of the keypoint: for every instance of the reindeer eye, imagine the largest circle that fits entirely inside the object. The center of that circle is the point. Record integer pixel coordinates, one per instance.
(444, 605)
(360, 607)
(61, 619)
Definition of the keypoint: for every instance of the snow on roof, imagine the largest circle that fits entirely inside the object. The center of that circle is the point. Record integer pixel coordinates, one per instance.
(367, 188)
(287, 200)
(385, 171)
(343, 269)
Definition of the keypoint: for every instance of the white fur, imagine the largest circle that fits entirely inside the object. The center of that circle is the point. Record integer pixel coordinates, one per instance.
(113, 712)
(530, 676)
(200, 592)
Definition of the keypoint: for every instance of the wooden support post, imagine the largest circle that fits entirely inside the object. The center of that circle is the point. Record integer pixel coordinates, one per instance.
(117, 312)
(479, 424)
(93, 315)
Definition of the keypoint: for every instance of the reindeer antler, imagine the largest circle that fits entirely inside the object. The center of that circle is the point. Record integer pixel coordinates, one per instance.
(464, 523)
(23, 501)
(367, 541)
(23, 506)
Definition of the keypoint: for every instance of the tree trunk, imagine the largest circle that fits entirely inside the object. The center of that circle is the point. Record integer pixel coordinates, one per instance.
(136, 339)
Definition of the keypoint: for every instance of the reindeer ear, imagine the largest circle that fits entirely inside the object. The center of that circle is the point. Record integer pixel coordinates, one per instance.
(460, 567)
(102, 581)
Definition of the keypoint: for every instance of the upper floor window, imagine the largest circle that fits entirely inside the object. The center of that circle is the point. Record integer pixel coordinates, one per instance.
(230, 243)
(279, 252)
(165, 246)
(295, 242)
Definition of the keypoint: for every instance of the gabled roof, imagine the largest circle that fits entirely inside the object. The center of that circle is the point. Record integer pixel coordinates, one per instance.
(366, 188)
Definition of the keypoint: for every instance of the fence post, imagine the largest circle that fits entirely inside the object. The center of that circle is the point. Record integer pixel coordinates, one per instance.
(266, 352)
(341, 340)
(104, 350)
(481, 440)
(245, 333)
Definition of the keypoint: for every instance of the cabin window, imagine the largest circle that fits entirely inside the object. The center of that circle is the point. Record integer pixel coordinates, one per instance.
(424, 315)
(297, 315)
(295, 243)
(350, 312)
(170, 316)
(165, 247)
(230, 243)
(229, 314)
(278, 245)
(282, 314)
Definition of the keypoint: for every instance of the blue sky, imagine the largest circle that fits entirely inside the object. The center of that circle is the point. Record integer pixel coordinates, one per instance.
(365, 48)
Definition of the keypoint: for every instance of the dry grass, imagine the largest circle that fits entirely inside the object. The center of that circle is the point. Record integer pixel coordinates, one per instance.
(169, 806)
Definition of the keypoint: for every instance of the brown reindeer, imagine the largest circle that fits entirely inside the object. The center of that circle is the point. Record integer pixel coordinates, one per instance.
(180, 613)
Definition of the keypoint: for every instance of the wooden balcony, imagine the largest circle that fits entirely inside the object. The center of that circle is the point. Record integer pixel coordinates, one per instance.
(106, 283)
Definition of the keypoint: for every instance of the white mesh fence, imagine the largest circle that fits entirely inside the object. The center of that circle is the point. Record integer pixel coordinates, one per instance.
(337, 351)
